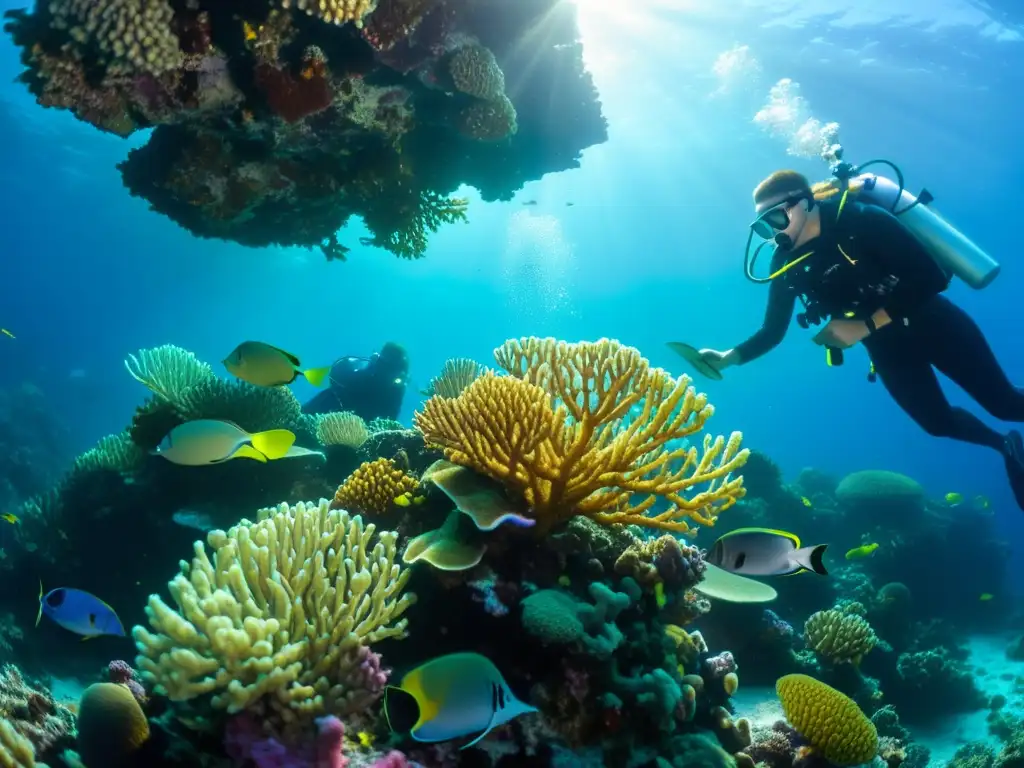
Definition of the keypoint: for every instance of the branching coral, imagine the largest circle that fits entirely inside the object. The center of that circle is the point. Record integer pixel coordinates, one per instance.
(839, 636)
(168, 371)
(554, 431)
(341, 428)
(280, 617)
(373, 487)
(407, 236)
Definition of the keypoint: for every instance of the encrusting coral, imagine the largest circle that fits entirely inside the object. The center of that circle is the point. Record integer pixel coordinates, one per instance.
(555, 430)
(281, 618)
(373, 487)
(839, 636)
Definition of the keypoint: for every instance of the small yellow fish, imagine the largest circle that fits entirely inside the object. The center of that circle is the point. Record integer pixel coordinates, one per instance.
(365, 739)
(864, 550)
(5, 332)
(806, 502)
(953, 499)
(659, 594)
(403, 500)
(248, 31)
(980, 502)
(986, 596)
(419, 499)
(10, 518)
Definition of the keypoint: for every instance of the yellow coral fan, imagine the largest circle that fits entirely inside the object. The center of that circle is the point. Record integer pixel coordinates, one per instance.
(281, 615)
(830, 721)
(839, 636)
(15, 750)
(559, 431)
(341, 428)
(373, 487)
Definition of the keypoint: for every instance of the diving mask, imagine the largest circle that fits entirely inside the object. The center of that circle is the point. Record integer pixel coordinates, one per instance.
(775, 219)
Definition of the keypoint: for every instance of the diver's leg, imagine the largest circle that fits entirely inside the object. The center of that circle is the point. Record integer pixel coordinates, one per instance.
(912, 383)
(960, 350)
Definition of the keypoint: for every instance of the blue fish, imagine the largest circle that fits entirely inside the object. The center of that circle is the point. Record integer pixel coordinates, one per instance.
(452, 696)
(79, 612)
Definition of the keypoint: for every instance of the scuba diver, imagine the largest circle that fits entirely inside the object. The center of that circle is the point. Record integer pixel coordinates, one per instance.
(877, 277)
(372, 388)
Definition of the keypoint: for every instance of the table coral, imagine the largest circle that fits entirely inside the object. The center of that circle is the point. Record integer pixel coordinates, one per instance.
(554, 430)
(279, 618)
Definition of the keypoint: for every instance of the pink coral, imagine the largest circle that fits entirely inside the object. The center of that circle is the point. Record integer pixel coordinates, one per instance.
(121, 672)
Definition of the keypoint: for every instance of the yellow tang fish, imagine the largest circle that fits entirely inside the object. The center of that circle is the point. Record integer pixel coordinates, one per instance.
(266, 366)
(865, 550)
(10, 518)
(203, 442)
(954, 498)
(806, 502)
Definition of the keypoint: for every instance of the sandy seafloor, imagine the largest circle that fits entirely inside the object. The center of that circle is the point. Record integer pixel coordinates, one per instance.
(997, 675)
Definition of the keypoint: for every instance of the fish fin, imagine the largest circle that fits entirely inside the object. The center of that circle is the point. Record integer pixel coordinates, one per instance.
(291, 358)
(812, 559)
(486, 730)
(316, 376)
(245, 451)
(39, 615)
(274, 443)
(774, 531)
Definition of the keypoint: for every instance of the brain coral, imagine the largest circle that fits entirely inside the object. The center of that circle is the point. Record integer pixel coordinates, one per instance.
(476, 72)
(877, 485)
(830, 721)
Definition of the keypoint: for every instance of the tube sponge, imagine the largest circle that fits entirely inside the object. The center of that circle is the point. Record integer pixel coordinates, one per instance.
(830, 721)
(280, 615)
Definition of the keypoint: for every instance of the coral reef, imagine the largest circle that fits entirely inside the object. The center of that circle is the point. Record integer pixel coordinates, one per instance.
(277, 123)
(375, 487)
(553, 430)
(828, 720)
(282, 616)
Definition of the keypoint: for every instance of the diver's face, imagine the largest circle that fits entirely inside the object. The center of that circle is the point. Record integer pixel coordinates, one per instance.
(781, 218)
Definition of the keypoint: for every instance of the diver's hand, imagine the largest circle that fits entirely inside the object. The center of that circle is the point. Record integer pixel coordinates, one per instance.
(842, 333)
(719, 360)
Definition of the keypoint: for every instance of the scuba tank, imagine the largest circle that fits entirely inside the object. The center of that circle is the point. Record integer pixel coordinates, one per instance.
(954, 252)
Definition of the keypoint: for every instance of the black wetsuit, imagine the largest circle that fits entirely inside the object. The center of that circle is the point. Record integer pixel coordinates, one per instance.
(865, 260)
(372, 392)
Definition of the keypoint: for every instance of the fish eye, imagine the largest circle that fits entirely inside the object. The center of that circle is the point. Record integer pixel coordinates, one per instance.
(741, 558)
(56, 598)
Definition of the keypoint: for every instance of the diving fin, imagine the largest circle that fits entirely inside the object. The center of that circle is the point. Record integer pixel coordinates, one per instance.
(693, 357)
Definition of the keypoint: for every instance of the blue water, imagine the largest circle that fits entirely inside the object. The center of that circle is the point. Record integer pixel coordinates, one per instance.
(651, 250)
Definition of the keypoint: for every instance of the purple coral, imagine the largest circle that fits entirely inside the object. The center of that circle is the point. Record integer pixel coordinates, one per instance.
(121, 672)
(721, 665)
(366, 680)
(243, 740)
(777, 629)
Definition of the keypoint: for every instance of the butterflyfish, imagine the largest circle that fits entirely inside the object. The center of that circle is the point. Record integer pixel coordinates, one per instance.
(266, 366)
(202, 442)
(452, 696)
(765, 552)
(78, 612)
(865, 550)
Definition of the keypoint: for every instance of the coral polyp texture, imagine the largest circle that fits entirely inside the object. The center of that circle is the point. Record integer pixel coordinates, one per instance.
(276, 123)
(554, 428)
(282, 617)
(829, 720)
